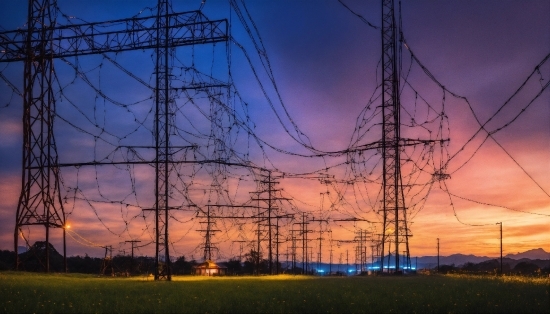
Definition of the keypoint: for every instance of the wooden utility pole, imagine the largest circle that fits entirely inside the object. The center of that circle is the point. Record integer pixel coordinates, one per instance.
(133, 245)
(320, 240)
(437, 255)
(500, 223)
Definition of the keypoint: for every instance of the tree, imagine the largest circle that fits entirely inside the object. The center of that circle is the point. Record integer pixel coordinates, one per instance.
(181, 266)
(234, 266)
(35, 258)
(254, 263)
(7, 260)
(445, 269)
(526, 268)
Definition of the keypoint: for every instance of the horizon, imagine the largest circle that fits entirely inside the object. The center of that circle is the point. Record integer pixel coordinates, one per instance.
(23, 249)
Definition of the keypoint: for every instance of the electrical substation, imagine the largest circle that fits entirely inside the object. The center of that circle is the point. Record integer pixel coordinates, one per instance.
(146, 118)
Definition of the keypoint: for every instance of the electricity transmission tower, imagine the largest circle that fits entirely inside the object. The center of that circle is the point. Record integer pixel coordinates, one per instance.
(395, 227)
(393, 199)
(268, 195)
(42, 42)
(208, 233)
(394, 211)
(40, 199)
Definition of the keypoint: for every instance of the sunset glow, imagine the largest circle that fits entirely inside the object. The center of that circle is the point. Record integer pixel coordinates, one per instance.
(481, 99)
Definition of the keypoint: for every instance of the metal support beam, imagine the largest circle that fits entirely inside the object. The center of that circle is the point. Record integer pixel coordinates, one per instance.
(394, 228)
(184, 28)
(42, 42)
(40, 200)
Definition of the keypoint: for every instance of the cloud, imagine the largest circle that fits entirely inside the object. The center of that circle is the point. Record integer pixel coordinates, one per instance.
(9, 196)
(325, 62)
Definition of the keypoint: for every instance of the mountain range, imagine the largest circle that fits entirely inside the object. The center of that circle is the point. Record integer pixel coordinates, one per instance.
(461, 259)
(537, 256)
(531, 254)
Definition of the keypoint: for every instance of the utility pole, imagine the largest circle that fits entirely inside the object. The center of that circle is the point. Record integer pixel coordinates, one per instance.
(331, 250)
(304, 231)
(240, 248)
(277, 246)
(438, 255)
(277, 242)
(209, 222)
(269, 205)
(500, 223)
(133, 242)
(304, 242)
(372, 257)
(347, 261)
(320, 239)
(287, 254)
(339, 261)
(293, 249)
(359, 248)
(270, 200)
(258, 245)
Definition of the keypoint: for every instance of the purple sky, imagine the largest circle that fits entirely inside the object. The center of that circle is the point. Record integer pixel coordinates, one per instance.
(324, 60)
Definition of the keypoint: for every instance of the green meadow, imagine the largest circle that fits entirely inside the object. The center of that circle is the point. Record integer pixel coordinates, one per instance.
(75, 293)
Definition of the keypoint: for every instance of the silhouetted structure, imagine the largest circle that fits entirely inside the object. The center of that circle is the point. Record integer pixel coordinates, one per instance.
(209, 268)
(40, 200)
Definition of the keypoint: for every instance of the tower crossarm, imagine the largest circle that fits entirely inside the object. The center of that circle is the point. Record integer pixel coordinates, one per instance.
(402, 142)
(186, 28)
(388, 143)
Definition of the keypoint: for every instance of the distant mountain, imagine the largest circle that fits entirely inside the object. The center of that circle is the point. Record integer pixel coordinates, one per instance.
(456, 259)
(536, 256)
(461, 259)
(530, 254)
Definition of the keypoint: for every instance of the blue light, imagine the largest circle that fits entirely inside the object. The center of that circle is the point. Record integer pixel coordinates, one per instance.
(320, 271)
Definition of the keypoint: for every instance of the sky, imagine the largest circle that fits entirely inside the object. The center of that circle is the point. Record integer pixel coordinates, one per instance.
(324, 61)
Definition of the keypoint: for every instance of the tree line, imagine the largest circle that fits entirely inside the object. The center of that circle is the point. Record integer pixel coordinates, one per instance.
(253, 263)
(525, 267)
(34, 260)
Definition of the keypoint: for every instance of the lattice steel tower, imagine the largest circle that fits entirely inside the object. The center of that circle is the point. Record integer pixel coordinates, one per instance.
(40, 199)
(394, 212)
(164, 122)
(43, 41)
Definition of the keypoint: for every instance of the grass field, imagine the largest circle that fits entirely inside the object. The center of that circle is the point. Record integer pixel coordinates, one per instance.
(74, 293)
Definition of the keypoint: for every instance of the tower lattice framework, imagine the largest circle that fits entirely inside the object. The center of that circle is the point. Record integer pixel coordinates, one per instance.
(394, 213)
(40, 199)
(43, 41)
(164, 121)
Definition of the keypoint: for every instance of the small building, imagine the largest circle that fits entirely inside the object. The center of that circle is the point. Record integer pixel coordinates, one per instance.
(209, 268)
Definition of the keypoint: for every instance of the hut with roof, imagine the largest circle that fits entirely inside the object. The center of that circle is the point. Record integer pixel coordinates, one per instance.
(209, 268)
